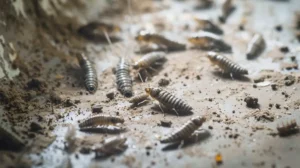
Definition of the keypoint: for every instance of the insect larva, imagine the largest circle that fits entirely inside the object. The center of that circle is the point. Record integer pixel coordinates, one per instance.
(209, 26)
(185, 131)
(150, 59)
(139, 99)
(104, 129)
(255, 46)
(10, 140)
(227, 9)
(90, 74)
(160, 40)
(288, 128)
(95, 31)
(101, 120)
(168, 100)
(124, 81)
(111, 146)
(209, 41)
(228, 66)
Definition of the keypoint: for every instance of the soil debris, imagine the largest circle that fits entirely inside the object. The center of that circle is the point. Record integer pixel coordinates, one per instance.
(289, 80)
(110, 95)
(35, 127)
(55, 98)
(37, 84)
(97, 108)
(163, 82)
(165, 123)
(251, 102)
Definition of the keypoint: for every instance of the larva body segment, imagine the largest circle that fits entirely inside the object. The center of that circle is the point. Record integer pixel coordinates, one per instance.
(185, 131)
(288, 128)
(209, 41)
(209, 26)
(151, 47)
(150, 59)
(139, 99)
(255, 46)
(104, 129)
(10, 139)
(101, 120)
(168, 100)
(111, 146)
(226, 64)
(160, 40)
(90, 74)
(123, 78)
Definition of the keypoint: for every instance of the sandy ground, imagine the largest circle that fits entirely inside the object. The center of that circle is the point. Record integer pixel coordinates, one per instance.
(43, 49)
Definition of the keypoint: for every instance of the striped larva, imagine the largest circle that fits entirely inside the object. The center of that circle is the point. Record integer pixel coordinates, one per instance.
(111, 146)
(148, 60)
(255, 46)
(136, 100)
(123, 78)
(209, 41)
(159, 40)
(168, 100)
(185, 131)
(104, 129)
(228, 66)
(227, 9)
(101, 120)
(95, 31)
(288, 128)
(90, 74)
(208, 25)
(10, 139)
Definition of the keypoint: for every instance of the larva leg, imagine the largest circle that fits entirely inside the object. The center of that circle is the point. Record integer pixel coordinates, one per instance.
(176, 112)
(161, 108)
(181, 144)
(152, 69)
(140, 76)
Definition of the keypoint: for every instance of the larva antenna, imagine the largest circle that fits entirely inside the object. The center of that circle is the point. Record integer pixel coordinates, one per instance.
(109, 42)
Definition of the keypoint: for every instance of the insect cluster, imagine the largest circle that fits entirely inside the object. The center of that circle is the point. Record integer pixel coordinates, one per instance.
(155, 48)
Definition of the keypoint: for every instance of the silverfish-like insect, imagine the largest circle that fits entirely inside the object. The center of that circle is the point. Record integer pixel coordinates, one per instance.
(185, 131)
(159, 40)
(150, 59)
(168, 100)
(111, 146)
(288, 128)
(228, 66)
(90, 74)
(104, 129)
(209, 41)
(123, 78)
(95, 31)
(101, 120)
(11, 139)
(139, 99)
(227, 9)
(256, 46)
(208, 25)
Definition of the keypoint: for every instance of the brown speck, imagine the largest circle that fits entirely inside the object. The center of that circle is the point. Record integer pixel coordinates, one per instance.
(274, 87)
(198, 77)
(165, 123)
(284, 49)
(110, 95)
(163, 82)
(278, 28)
(277, 106)
(210, 127)
(35, 127)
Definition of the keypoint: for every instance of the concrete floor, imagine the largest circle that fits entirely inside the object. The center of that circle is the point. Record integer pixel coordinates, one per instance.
(226, 111)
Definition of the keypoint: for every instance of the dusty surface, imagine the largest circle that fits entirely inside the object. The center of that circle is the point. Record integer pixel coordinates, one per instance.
(40, 41)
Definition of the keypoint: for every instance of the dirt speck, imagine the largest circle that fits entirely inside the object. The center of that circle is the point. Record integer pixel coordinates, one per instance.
(289, 80)
(251, 102)
(97, 108)
(165, 123)
(35, 127)
(110, 95)
(163, 82)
